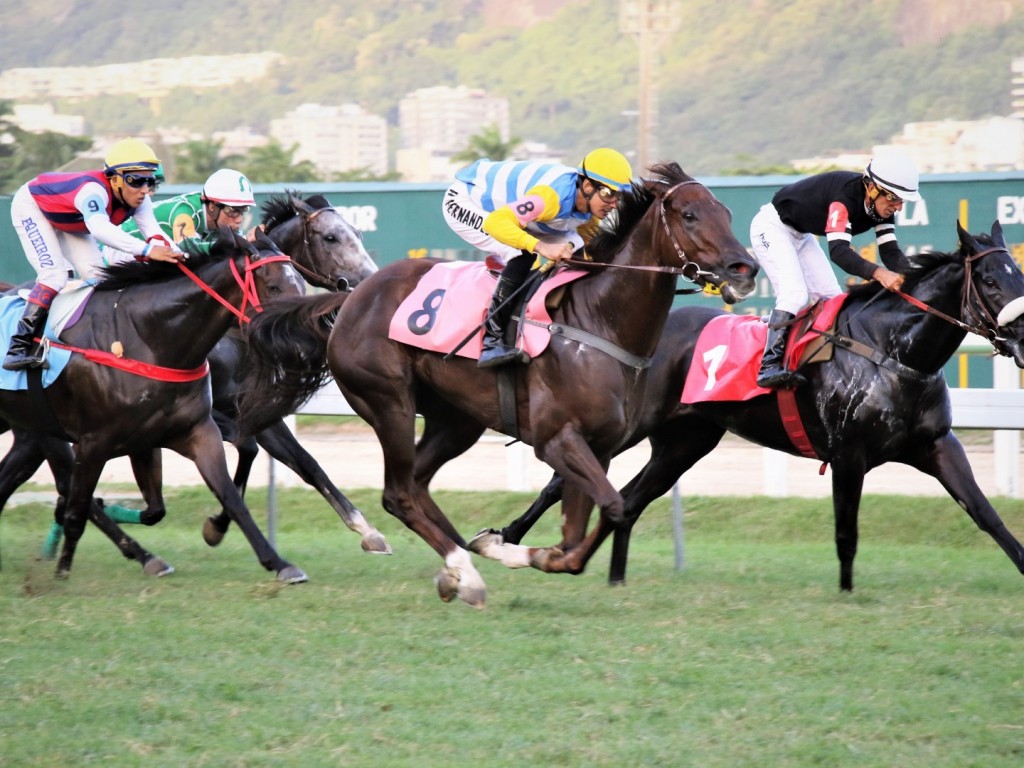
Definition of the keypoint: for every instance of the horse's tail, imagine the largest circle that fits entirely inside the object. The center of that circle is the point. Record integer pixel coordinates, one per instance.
(287, 360)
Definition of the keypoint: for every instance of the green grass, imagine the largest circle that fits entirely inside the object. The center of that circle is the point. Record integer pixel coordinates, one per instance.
(748, 657)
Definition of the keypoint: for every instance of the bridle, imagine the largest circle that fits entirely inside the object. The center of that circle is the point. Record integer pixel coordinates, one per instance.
(690, 271)
(980, 320)
(250, 299)
(312, 276)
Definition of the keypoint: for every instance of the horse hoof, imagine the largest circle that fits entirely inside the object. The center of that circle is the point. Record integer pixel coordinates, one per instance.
(292, 575)
(376, 544)
(449, 586)
(488, 537)
(544, 558)
(157, 567)
(212, 535)
(447, 583)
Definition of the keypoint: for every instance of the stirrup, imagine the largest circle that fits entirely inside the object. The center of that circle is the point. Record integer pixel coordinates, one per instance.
(498, 355)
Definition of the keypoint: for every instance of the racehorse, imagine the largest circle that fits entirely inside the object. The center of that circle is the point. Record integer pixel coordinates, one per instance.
(329, 253)
(166, 319)
(574, 404)
(858, 413)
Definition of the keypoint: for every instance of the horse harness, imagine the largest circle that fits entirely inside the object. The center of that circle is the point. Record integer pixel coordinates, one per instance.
(690, 271)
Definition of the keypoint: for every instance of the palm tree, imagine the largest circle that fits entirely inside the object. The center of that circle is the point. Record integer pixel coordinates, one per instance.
(273, 163)
(487, 144)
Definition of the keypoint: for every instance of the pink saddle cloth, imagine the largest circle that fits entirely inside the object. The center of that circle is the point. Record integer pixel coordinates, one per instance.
(728, 354)
(452, 298)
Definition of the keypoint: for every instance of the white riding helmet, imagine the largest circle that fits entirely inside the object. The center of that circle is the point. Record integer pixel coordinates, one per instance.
(228, 187)
(896, 173)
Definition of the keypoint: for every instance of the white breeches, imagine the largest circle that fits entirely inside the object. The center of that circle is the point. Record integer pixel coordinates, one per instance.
(795, 263)
(51, 252)
(466, 218)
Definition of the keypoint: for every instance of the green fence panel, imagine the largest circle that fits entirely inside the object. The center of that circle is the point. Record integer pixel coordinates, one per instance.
(402, 220)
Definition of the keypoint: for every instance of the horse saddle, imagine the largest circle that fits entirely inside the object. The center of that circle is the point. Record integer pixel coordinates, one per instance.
(728, 354)
(451, 300)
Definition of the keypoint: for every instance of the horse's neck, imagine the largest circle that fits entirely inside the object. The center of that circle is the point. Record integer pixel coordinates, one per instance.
(623, 305)
(913, 336)
(180, 322)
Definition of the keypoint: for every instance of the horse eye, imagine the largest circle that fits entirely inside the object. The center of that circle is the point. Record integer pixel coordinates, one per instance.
(330, 238)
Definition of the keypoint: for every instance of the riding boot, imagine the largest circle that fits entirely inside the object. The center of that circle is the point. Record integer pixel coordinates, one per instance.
(773, 373)
(495, 352)
(24, 352)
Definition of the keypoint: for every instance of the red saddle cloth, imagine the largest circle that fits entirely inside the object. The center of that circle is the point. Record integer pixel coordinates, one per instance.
(728, 354)
(452, 298)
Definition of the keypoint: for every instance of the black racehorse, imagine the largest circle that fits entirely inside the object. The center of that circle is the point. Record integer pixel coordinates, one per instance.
(575, 403)
(329, 253)
(163, 320)
(858, 412)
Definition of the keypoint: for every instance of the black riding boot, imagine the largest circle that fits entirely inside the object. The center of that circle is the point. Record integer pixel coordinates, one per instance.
(495, 352)
(24, 352)
(773, 373)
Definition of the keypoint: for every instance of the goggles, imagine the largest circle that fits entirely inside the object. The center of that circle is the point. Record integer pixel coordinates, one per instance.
(607, 194)
(892, 197)
(233, 211)
(138, 181)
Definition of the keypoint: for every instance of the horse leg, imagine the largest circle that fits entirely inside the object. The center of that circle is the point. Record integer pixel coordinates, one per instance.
(147, 466)
(946, 461)
(586, 484)
(389, 408)
(204, 447)
(675, 448)
(23, 458)
(550, 495)
(280, 443)
(215, 528)
(83, 480)
(847, 487)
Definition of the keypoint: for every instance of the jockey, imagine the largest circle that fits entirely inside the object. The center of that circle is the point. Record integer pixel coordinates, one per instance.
(519, 209)
(224, 201)
(836, 205)
(61, 217)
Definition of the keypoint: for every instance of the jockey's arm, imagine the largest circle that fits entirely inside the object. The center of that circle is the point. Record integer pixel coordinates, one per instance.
(508, 223)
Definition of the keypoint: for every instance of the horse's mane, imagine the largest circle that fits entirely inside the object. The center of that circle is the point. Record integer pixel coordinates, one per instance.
(635, 202)
(915, 268)
(281, 208)
(114, 277)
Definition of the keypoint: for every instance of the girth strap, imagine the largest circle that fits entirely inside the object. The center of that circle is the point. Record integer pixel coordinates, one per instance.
(874, 355)
(609, 348)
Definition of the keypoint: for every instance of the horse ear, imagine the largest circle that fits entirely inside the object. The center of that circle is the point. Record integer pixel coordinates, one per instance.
(966, 241)
(997, 234)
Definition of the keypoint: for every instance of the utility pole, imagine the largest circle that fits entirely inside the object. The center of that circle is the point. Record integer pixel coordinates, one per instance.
(651, 23)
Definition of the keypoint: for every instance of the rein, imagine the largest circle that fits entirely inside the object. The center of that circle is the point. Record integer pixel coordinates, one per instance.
(314, 277)
(247, 284)
(985, 325)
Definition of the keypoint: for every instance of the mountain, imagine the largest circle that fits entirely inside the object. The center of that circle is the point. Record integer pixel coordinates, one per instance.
(746, 83)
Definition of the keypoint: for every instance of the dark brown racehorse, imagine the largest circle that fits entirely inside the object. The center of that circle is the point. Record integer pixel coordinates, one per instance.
(329, 253)
(166, 317)
(575, 404)
(858, 413)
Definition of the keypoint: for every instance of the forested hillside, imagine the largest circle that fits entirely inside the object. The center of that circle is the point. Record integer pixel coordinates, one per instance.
(751, 82)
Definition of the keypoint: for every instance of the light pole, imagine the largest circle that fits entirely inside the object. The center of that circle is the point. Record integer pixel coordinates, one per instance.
(650, 22)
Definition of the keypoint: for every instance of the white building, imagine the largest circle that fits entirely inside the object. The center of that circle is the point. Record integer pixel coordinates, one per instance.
(435, 123)
(149, 78)
(335, 139)
(38, 118)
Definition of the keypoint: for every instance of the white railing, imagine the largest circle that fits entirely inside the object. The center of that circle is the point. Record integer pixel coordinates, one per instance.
(1000, 409)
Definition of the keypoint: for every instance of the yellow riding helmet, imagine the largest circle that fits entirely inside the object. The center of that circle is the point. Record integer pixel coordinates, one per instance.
(608, 167)
(130, 155)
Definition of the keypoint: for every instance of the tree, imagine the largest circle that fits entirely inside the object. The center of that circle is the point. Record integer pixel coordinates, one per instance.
(487, 144)
(273, 164)
(197, 160)
(24, 155)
